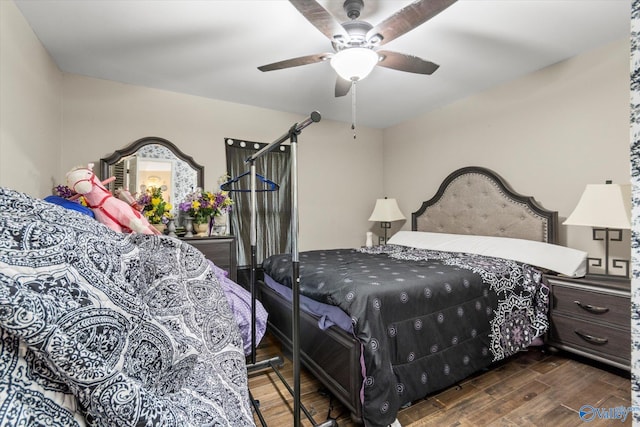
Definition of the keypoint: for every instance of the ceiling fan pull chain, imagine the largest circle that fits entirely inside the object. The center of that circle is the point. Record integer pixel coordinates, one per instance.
(353, 107)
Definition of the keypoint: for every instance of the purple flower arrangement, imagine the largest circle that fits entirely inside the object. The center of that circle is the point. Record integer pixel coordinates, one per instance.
(67, 193)
(201, 205)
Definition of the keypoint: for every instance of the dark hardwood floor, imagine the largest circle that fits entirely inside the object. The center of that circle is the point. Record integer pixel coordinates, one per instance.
(533, 388)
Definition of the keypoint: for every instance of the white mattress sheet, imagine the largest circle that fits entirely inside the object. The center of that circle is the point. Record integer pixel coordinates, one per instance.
(560, 259)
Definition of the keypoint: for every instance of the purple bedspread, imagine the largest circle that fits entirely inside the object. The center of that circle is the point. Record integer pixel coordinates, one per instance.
(240, 303)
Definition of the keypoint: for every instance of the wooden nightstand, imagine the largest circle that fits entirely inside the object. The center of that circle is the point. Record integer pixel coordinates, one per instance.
(591, 317)
(219, 249)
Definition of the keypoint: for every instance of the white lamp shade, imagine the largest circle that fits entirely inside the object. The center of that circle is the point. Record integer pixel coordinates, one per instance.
(603, 205)
(386, 210)
(354, 63)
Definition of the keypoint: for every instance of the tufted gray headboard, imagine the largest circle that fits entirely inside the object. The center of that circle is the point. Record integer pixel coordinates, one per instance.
(476, 200)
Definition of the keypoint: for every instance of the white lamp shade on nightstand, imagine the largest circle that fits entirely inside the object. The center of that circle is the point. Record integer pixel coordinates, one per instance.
(603, 205)
(386, 210)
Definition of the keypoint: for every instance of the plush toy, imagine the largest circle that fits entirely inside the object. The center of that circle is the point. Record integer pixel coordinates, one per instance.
(124, 195)
(110, 211)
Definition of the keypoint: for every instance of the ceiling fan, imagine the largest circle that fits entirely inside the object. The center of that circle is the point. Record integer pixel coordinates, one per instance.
(355, 42)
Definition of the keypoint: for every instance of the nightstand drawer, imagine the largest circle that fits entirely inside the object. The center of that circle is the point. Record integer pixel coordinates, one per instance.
(592, 305)
(594, 337)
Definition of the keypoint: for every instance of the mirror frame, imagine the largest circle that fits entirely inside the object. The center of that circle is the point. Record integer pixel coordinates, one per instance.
(118, 155)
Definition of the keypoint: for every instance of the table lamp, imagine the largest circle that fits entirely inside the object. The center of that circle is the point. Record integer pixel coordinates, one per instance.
(386, 211)
(606, 208)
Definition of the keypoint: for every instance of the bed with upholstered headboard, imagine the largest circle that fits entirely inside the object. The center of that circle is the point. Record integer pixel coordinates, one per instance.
(432, 306)
(476, 200)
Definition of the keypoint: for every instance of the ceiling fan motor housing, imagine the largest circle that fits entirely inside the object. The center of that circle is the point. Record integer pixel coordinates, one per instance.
(352, 8)
(357, 31)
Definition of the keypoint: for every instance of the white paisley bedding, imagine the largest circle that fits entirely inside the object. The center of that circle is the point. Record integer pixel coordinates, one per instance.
(101, 328)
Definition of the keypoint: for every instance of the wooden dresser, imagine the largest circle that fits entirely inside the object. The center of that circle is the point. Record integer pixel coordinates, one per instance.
(592, 317)
(219, 249)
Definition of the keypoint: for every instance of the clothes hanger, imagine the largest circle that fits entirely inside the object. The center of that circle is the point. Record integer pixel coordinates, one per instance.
(270, 185)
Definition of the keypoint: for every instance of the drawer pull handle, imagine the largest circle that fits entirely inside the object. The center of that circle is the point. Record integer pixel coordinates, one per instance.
(592, 308)
(591, 338)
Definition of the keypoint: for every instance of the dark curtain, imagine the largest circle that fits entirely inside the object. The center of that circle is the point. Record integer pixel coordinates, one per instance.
(273, 207)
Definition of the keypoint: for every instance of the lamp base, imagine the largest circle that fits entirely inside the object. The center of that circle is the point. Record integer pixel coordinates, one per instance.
(385, 225)
(621, 265)
(613, 235)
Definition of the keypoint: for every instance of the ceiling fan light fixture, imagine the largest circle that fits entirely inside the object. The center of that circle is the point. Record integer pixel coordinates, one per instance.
(354, 63)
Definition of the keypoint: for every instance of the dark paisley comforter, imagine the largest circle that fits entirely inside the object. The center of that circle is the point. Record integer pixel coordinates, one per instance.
(105, 329)
(426, 319)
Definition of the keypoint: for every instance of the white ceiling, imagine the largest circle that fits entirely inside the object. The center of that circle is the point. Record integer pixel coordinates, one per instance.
(212, 48)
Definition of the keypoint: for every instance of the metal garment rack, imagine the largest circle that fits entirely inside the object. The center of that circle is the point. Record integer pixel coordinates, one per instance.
(292, 136)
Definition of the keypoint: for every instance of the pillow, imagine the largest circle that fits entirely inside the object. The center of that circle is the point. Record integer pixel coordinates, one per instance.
(560, 259)
(69, 204)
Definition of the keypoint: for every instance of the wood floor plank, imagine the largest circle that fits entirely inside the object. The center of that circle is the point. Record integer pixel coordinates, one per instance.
(512, 383)
(532, 388)
(508, 403)
(495, 375)
(559, 416)
(595, 393)
(420, 411)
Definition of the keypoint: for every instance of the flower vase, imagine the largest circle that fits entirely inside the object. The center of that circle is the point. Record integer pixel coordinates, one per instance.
(171, 228)
(201, 228)
(159, 227)
(188, 226)
(217, 229)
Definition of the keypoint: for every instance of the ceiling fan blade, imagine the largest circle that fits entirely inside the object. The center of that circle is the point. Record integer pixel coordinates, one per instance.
(404, 62)
(320, 18)
(295, 62)
(407, 18)
(342, 86)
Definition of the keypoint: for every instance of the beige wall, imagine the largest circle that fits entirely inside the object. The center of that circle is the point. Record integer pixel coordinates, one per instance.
(335, 179)
(30, 107)
(51, 121)
(548, 134)
(556, 130)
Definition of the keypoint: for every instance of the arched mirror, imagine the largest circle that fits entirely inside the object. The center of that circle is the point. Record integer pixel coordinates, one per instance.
(153, 161)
